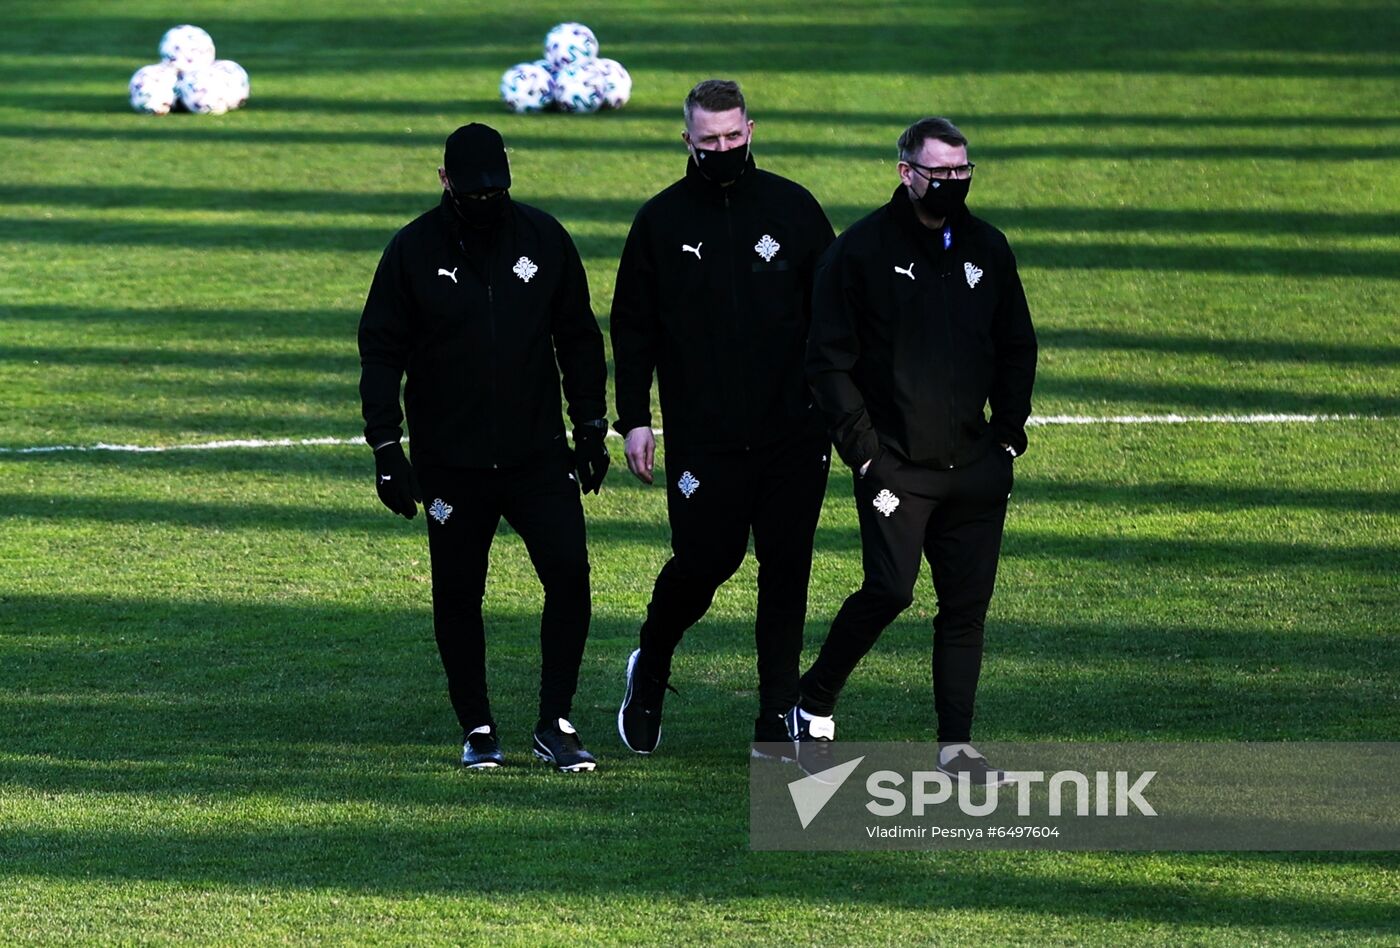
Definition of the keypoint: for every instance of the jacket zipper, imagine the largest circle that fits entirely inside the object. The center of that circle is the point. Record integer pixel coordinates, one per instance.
(491, 316)
(733, 275)
(948, 361)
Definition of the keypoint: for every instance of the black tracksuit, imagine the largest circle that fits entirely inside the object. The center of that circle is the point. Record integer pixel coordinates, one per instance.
(713, 296)
(483, 323)
(915, 332)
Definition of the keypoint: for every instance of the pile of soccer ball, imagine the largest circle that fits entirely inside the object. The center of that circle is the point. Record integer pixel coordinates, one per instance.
(570, 77)
(188, 78)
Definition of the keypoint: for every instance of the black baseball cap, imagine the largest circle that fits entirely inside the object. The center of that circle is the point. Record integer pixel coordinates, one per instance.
(475, 159)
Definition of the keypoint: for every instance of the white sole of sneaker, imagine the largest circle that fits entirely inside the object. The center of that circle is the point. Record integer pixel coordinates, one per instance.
(584, 767)
(1004, 782)
(484, 765)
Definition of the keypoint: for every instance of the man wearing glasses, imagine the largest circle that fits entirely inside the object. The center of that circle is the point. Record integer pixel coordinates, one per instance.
(919, 322)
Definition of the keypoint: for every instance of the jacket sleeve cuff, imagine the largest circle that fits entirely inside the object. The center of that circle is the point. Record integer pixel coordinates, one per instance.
(1015, 437)
(628, 422)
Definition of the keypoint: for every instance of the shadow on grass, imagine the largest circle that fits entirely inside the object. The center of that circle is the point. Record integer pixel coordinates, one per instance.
(1032, 254)
(1201, 555)
(1247, 350)
(405, 205)
(548, 138)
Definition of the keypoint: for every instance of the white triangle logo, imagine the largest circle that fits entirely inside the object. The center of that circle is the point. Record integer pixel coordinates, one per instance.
(811, 794)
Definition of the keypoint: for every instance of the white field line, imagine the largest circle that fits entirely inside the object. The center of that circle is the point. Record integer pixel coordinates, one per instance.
(1034, 422)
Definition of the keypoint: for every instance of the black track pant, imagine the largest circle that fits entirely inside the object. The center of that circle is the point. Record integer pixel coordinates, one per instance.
(954, 518)
(541, 503)
(713, 501)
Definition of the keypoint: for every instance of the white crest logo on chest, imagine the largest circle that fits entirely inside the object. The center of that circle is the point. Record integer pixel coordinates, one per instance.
(973, 274)
(525, 269)
(767, 248)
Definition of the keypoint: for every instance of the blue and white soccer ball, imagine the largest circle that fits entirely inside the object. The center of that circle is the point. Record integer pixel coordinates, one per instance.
(577, 88)
(567, 43)
(214, 89)
(614, 83)
(152, 88)
(187, 47)
(527, 87)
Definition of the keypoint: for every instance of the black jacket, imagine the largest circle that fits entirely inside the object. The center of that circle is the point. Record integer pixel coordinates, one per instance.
(910, 341)
(714, 295)
(478, 333)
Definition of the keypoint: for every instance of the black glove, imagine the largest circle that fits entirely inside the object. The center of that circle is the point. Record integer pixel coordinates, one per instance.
(591, 457)
(395, 481)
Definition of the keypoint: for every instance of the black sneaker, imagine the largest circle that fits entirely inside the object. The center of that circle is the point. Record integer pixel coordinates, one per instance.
(811, 737)
(770, 738)
(964, 762)
(639, 717)
(557, 742)
(481, 750)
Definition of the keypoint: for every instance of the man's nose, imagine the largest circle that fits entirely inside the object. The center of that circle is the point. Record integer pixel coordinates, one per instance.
(724, 145)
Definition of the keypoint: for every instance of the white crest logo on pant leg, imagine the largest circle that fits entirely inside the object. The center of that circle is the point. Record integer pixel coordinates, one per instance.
(886, 503)
(688, 484)
(973, 274)
(440, 511)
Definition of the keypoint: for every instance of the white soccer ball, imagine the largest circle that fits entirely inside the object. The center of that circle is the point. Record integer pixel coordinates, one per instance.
(152, 88)
(526, 87)
(187, 47)
(577, 88)
(567, 43)
(214, 89)
(614, 83)
(234, 79)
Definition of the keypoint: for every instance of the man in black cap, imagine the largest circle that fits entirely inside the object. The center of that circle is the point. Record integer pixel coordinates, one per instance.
(714, 298)
(483, 303)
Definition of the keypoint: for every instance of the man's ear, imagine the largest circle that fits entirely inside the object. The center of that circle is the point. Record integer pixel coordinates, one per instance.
(442, 177)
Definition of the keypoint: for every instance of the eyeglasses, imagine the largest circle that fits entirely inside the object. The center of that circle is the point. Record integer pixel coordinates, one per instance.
(943, 173)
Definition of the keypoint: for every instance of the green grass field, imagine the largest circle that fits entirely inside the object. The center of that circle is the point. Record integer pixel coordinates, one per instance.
(222, 716)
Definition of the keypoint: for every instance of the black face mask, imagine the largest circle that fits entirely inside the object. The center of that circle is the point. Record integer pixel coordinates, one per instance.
(482, 212)
(944, 197)
(722, 167)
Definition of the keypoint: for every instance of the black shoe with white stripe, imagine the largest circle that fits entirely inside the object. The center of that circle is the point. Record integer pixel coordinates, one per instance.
(770, 737)
(965, 762)
(558, 743)
(639, 717)
(811, 736)
(481, 750)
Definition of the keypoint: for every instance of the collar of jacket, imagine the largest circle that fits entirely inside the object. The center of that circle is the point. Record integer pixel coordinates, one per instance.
(703, 186)
(471, 240)
(902, 209)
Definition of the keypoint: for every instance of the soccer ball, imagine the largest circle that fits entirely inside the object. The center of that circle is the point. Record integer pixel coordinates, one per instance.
(153, 88)
(576, 87)
(214, 89)
(233, 79)
(614, 83)
(187, 47)
(526, 87)
(567, 43)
